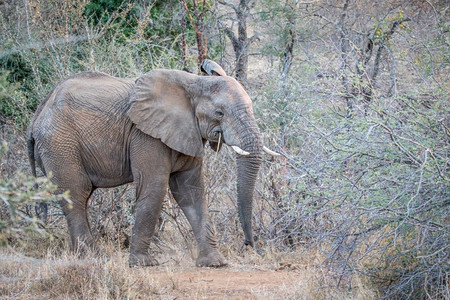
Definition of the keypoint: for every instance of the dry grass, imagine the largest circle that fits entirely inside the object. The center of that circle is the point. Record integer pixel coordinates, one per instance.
(40, 270)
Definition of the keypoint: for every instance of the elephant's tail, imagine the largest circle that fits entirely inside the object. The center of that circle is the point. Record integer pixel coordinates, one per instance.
(31, 158)
(41, 207)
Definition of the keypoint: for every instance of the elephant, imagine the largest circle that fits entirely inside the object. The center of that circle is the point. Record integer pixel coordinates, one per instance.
(94, 130)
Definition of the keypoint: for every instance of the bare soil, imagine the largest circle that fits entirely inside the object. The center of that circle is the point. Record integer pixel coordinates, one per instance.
(227, 283)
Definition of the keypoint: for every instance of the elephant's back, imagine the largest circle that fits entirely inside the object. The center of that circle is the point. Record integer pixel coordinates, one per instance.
(84, 98)
(96, 91)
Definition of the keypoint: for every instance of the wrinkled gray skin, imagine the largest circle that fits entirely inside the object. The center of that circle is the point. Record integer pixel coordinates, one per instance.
(97, 131)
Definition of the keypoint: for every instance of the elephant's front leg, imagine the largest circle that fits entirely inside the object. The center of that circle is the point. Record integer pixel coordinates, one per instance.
(187, 189)
(150, 193)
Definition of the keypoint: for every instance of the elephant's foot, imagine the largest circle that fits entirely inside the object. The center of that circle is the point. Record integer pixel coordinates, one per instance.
(212, 259)
(142, 260)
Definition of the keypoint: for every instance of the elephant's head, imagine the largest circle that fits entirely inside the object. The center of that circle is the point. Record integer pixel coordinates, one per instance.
(186, 110)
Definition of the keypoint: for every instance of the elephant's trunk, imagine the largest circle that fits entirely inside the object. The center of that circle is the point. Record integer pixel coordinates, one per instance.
(247, 171)
(247, 168)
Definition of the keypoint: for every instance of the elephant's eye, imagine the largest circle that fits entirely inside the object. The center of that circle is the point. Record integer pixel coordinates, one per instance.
(219, 113)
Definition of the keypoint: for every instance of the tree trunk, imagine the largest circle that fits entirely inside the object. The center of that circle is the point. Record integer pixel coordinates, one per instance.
(240, 42)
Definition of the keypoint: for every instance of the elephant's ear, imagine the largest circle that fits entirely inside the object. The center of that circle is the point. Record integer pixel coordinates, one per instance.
(161, 108)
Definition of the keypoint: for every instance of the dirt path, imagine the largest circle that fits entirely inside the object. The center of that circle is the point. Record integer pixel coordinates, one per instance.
(227, 283)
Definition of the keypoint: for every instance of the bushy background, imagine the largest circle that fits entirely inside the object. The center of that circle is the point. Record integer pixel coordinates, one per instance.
(354, 94)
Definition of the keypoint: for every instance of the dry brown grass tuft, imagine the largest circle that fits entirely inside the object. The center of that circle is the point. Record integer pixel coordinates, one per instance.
(69, 278)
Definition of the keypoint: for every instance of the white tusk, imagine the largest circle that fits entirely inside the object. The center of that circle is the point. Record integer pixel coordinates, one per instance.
(239, 150)
(270, 152)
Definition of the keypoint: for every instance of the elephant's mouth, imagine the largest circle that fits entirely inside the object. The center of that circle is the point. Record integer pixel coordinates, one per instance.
(215, 134)
(216, 139)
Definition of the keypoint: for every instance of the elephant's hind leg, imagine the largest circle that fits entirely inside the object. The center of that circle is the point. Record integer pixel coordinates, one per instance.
(187, 189)
(76, 215)
(69, 174)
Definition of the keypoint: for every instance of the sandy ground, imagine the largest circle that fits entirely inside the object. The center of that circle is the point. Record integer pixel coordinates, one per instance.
(227, 283)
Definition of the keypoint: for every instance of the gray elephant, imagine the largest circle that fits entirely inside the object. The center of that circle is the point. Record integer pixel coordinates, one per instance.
(98, 131)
